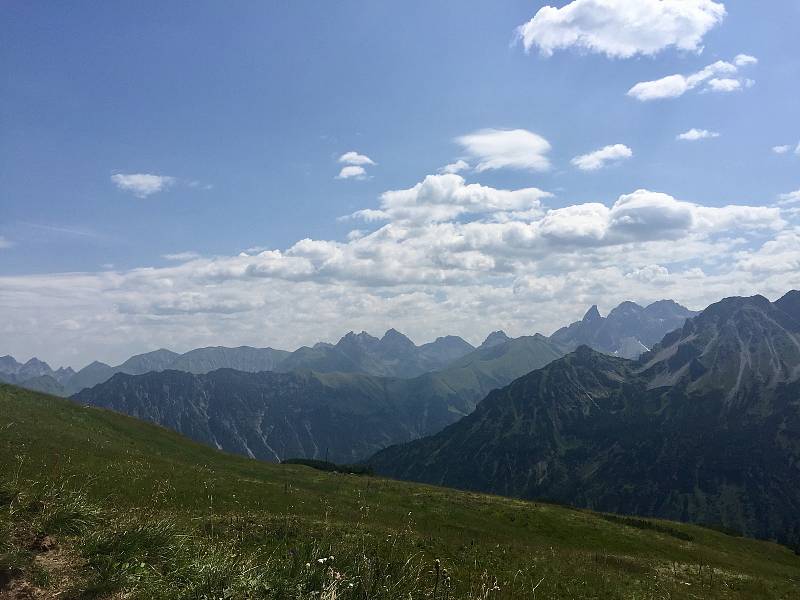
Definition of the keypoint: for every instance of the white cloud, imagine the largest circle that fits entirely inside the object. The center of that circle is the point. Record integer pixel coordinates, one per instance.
(777, 257)
(352, 172)
(727, 84)
(782, 149)
(354, 158)
(602, 158)
(181, 256)
(5, 243)
(456, 167)
(622, 28)
(697, 134)
(720, 76)
(506, 149)
(142, 185)
(797, 149)
(445, 197)
(789, 198)
(743, 60)
(432, 259)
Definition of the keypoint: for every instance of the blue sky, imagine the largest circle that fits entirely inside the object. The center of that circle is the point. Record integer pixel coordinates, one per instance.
(245, 108)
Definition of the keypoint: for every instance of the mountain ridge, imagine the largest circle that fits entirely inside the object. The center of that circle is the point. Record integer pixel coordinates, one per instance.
(393, 355)
(258, 413)
(705, 427)
(627, 331)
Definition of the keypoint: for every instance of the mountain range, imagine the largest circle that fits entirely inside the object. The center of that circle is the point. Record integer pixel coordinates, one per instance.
(34, 374)
(627, 331)
(704, 427)
(343, 417)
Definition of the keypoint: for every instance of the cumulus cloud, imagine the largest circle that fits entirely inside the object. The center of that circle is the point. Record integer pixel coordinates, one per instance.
(696, 134)
(352, 172)
(506, 149)
(142, 185)
(721, 76)
(456, 167)
(432, 259)
(777, 256)
(445, 197)
(622, 28)
(782, 149)
(603, 157)
(727, 84)
(789, 198)
(354, 158)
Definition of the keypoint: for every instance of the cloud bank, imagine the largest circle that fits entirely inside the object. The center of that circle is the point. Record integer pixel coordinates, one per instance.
(440, 257)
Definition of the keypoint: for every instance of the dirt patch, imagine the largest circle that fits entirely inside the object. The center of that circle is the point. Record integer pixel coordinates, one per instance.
(53, 571)
(19, 590)
(43, 544)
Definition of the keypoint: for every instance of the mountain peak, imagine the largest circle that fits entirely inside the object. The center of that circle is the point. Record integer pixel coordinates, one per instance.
(668, 309)
(357, 339)
(393, 334)
(789, 303)
(625, 309)
(36, 362)
(591, 315)
(9, 364)
(97, 363)
(583, 352)
(495, 339)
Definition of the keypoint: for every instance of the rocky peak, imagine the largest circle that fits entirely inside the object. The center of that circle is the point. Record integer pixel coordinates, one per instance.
(495, 339)
(591, 315)
(625, 310)
(8, 364)
(395, 339)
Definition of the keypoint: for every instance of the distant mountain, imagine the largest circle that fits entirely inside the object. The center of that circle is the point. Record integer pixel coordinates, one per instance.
(344, 416)
(92, 374)
(201, 360)
(628, 331)
(705, 427)
(243, 358)
(393, 355)
(40, 383)
(158, 360)
(494, 339)
(34, 374)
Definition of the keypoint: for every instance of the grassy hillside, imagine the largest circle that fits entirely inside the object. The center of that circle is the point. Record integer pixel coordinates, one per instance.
(94, 503)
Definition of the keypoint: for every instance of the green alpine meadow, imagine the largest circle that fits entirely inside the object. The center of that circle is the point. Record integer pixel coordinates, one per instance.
(100, 505)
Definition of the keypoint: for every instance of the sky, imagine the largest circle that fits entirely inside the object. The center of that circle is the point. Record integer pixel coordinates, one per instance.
(278, 173)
